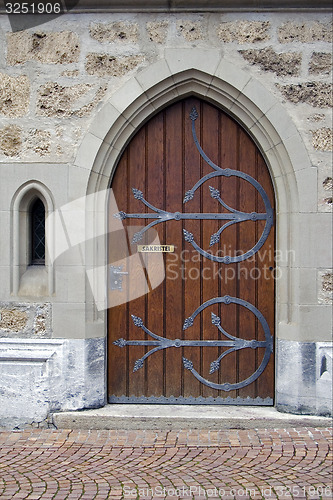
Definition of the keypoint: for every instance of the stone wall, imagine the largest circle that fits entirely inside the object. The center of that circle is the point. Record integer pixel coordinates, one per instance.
(56, 78)
(25, 320)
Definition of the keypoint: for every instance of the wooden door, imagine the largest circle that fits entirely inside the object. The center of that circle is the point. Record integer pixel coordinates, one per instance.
(194, 324)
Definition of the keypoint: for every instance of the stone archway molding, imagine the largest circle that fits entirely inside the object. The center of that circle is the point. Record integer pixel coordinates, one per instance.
(207, 74)
(204, 73)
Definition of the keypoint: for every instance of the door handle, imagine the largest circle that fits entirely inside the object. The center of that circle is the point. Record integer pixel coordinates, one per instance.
(116, 277)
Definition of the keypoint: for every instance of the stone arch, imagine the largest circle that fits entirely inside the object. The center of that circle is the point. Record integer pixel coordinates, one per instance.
(41, 281)
(207, 75)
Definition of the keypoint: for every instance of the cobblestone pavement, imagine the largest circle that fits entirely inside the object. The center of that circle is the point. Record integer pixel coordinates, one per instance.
(61, 464)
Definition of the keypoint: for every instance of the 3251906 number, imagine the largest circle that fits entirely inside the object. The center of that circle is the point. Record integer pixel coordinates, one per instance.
(33, 8)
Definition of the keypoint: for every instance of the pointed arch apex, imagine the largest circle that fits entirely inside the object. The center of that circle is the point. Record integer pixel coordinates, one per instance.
(213, 78)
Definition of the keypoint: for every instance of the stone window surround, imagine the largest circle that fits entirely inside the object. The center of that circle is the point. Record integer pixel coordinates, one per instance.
(21, 234)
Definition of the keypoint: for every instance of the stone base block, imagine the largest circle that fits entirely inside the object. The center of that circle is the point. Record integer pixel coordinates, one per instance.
(38, 377)
(304, 377)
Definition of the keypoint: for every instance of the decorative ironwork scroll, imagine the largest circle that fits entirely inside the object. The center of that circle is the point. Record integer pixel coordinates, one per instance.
(200, 400)
(231, 217)
(234, 343)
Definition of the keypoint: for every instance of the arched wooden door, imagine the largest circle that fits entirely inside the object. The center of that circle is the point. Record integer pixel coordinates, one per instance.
(192, 321)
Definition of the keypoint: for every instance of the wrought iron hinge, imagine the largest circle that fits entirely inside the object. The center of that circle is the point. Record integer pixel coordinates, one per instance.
(232, 344)
(227, 218)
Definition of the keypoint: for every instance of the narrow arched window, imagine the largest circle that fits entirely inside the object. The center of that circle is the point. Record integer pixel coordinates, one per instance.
(37, 235)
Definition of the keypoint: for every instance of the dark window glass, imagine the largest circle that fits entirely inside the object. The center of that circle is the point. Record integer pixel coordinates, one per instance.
(38, 233)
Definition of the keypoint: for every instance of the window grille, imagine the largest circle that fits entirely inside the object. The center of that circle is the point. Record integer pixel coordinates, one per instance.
(37, 214)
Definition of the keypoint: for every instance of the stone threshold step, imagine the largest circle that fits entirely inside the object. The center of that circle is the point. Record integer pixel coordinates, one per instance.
(164, 417)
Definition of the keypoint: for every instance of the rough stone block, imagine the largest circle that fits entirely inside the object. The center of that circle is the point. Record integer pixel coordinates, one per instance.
(70, 73)
(317, 117)
(50, 48)
(316, 94)
(25, 320)
(115, 32)
(108, 65)
(11, 140)
(157, 31)
(14, 95)
(13, 320)
(244, 31)
(325, 282)
(38, 141)
(322, 139)
(57, 100)
(325, 192)
(88, 108)
(66, 141)
(320, 63)
(328, 184)
(269, 60)
(191, 30)
(305, 32)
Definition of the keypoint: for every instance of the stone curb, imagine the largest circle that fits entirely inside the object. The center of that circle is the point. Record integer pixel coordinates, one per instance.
(148, 417)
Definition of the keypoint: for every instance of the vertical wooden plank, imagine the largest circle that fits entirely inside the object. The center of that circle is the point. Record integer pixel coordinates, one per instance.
(155, 298)
(174, 314)
(136, 179)
(266, 284)
(210, 285)
(117, 316)
(247, 282)
(192, 285)
(228, 246)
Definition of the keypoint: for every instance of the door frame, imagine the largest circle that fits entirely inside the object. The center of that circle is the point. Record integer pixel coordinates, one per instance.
(260, 292)
(206, 74)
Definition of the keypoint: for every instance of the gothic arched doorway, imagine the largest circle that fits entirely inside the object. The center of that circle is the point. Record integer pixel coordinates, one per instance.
(192, 321)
